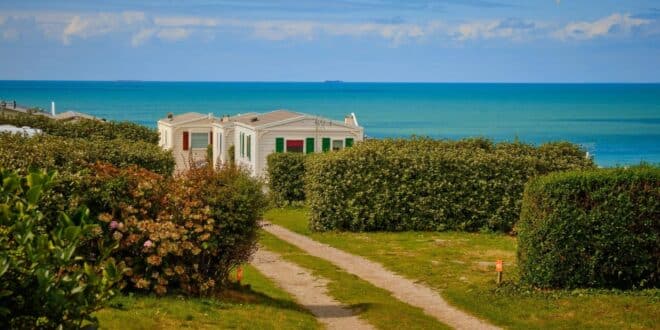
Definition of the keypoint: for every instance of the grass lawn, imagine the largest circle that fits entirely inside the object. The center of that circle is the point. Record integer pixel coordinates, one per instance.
(261, 306)
(371, 303)
(461, 266)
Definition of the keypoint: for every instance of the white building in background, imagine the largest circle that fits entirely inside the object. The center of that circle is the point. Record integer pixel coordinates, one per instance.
(25, 130)
(188, 136)
(254, 136)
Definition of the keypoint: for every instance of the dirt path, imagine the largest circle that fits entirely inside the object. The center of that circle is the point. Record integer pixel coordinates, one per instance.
(402, 288)
(308, 290)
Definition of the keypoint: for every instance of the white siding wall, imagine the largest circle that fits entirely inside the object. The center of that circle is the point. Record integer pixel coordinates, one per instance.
(182, 156)
(243, 160)
(300, 130)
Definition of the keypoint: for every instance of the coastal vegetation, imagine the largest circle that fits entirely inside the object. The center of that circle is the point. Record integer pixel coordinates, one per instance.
(75, 154)
(425, 184)
(598, 228)
(84, 128)
(461, 267)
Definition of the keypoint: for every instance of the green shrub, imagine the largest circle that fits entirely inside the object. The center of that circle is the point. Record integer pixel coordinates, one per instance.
(180, 234)
(286, 173)
(85, 128)
(18, 151)
(45, 280)
(598, 228)
(424, 184)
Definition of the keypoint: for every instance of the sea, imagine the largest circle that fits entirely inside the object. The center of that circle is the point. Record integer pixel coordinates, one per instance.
(618, 124)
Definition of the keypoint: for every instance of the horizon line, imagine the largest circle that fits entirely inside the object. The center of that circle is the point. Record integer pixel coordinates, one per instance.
(338, 82)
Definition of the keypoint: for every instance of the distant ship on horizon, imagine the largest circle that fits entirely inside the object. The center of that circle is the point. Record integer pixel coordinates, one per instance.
(333, 81)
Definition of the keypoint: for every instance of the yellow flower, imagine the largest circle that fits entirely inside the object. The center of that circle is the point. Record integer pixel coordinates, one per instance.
(105, 217)
(154, 259)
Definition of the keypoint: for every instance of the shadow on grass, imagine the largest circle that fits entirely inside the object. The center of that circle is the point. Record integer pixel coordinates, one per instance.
(232, 294)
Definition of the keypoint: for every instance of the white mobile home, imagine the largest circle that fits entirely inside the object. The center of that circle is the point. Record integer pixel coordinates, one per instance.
(254, 136)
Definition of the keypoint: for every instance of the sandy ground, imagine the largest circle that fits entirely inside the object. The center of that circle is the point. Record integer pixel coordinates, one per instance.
(308, 290)
(402, 288)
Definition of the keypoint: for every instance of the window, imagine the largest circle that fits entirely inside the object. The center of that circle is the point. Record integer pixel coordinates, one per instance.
(242, 138)
(249, 147)
(337, 145)
(294, 146)
(199, 140)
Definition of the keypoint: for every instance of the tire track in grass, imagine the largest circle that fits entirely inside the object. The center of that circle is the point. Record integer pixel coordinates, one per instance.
(402, 288)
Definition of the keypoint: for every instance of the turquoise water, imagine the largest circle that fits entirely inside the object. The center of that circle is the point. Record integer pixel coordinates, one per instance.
(617, 123)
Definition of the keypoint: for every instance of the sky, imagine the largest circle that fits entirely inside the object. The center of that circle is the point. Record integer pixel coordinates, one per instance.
(317, 40)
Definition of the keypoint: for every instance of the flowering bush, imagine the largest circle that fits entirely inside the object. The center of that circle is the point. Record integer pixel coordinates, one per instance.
(184, 233)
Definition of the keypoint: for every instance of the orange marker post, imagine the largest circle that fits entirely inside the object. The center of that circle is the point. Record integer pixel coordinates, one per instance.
(498, 268)
(239, 274)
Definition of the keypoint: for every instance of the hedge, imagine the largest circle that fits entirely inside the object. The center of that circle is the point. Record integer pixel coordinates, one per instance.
(286, 172)
(598, 228)
(85, 128)
(425, 184)
(18, 151)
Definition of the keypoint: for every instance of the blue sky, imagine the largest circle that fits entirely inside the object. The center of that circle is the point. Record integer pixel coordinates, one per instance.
(351, 40)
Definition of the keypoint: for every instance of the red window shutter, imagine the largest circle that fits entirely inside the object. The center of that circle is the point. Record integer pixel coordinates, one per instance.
(186, 141)
(294, 143)
(210, 137)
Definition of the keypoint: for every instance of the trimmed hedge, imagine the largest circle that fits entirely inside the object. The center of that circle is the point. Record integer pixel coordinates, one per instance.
(18, 151)
(85, 128)
(286, 172)
(425, 184)
(598, 228)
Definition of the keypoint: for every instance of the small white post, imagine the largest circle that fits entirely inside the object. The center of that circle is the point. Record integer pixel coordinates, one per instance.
(52, 108)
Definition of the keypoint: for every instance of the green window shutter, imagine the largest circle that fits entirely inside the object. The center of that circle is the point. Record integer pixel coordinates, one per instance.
(349, 142)
(309, 147)
(279, 145)
(326, 144)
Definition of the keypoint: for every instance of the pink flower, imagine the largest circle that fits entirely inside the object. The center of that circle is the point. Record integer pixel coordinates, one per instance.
(114, 224)
(148, 244)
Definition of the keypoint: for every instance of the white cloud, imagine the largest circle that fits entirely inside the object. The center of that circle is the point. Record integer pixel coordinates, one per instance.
(173, 34)
(280, 30)
(512, 29)
(613, 24)
(139, 28)
(142, 36)
(185, 21)
(85, 26)
(308, 30)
